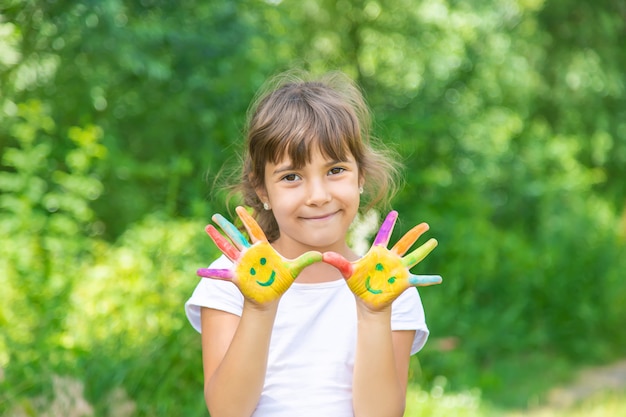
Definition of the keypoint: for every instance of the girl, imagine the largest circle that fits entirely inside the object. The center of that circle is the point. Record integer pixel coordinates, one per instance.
(313, 346)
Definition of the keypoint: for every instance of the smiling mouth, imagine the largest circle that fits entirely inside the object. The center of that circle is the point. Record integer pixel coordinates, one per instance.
(269, 282)
(322, 217)
(370, 289)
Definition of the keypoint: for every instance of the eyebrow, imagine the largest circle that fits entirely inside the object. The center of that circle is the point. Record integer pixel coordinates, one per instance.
(282, 169)
(287, 168)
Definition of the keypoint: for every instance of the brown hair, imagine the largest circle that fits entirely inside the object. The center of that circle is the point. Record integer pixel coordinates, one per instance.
(294, 115)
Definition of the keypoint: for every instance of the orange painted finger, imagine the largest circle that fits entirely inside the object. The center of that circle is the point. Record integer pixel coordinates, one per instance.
(253, 228)
(403, 245)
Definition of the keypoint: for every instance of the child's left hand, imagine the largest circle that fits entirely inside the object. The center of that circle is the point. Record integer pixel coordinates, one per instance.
(380, 276)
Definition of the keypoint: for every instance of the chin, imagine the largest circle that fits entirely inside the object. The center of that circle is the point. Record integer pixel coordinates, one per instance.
(325, 244)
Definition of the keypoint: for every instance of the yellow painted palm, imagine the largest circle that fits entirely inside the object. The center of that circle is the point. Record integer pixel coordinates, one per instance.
(382, 274)
(261, 274)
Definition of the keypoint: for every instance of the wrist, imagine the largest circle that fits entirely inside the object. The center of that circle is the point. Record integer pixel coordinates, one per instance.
(366, 312)
(270, 307)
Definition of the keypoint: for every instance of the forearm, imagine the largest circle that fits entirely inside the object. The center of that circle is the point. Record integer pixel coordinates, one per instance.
(235, 387)
(377, 388)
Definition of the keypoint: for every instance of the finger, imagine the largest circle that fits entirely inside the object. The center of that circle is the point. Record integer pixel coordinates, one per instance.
(424, 280)
(231, 231)
(297, 265)
(419, 254)
(222, 243)
(342, 264)
(224, 274)
(253, 228)
(403, 245)
(384, 233)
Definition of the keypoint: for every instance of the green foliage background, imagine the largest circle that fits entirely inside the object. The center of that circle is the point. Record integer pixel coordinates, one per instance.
(115, 117)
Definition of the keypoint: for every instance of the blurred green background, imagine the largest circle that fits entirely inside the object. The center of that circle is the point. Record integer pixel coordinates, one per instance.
(116, 116)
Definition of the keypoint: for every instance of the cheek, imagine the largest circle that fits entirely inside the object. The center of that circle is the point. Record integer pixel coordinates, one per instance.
(283, 212)
(348, 191)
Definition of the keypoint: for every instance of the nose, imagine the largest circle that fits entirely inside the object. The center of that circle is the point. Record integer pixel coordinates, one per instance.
(318, 192)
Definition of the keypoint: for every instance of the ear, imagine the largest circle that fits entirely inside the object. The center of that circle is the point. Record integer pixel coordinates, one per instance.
(261, 192)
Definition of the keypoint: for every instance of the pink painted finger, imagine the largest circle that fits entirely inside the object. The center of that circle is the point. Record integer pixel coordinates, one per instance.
(419, 254)
(384, 233)
(403, 245)
(225, 274)
(223, 244)
(342, 264)
(253, 228)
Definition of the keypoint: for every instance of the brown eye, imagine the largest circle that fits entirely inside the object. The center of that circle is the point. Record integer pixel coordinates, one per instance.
(336, 170)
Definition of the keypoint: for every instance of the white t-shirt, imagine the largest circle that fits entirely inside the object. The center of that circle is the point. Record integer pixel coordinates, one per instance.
(312, 348)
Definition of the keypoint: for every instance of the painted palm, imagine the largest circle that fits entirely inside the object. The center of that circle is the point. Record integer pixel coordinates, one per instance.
(261, 274)
(382, 274)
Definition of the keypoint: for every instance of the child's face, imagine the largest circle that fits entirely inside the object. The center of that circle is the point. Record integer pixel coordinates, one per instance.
(313, 205)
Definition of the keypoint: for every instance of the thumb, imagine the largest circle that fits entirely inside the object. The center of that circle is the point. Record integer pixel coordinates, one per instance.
(297, 265)
(342, 264)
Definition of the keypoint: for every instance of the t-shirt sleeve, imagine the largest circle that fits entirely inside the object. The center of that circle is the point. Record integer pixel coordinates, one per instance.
(214, 293)
(407, 313)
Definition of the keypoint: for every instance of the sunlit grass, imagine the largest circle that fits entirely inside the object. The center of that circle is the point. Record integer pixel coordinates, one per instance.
(608, 404)
(438, 403)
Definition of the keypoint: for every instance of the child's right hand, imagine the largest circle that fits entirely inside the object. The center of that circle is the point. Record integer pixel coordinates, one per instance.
(261, 274)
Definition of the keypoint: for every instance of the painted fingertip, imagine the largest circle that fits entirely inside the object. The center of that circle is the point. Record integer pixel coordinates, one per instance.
(302, 261)
(224, 274)
(217, 218)
(424, 280)
(342, 264)
(203, 272)
(312, 257)
(251, 225)
(309, 258)
(384, 233)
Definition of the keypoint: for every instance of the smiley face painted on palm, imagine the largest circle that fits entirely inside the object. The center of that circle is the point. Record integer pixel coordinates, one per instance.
(260, 272)
(272, 277)
(264, 272)
(383, 274)
(380, 277)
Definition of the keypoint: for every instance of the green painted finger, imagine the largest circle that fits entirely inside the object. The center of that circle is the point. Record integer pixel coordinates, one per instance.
(297, 265)
(419, 254)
